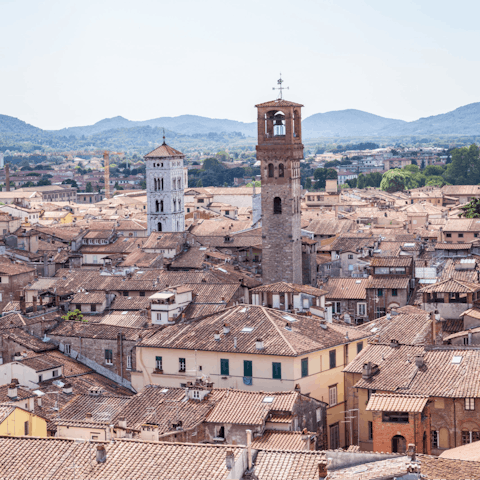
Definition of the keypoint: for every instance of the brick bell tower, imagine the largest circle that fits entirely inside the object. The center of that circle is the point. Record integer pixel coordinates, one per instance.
(280, 150)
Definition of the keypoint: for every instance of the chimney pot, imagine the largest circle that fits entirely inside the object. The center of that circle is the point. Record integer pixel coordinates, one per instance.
(259, 344)
(419, 361)
(122, 422)
(226, 328)
(216, 335)
(12, 390)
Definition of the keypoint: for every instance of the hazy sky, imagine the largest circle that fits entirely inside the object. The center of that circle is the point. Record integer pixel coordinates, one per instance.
(69, 63)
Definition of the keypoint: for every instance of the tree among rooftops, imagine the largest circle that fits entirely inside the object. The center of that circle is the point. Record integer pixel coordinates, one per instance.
(472, 209)
(75, 315)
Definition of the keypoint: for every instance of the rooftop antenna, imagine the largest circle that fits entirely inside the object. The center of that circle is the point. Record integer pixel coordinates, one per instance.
(280, 88)
(164, 137)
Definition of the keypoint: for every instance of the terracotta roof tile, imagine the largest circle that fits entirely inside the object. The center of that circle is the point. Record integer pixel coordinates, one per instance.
(164, 151)
(387, 402)
(280, 440)
(348, 288)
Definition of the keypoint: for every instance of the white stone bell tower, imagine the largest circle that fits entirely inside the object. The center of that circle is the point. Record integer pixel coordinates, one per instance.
(165, 189)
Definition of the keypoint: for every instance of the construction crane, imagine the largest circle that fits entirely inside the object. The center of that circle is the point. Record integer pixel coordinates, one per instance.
(106, 164)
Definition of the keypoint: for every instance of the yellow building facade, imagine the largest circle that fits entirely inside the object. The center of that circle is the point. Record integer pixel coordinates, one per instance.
(16, 422)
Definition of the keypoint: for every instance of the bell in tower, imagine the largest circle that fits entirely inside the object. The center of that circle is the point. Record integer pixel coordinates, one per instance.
(279, 150)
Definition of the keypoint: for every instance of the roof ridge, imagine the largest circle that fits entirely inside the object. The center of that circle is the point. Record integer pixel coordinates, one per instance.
(278, 330)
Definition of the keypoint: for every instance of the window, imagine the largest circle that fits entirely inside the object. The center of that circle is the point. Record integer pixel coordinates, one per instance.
(95, 259)
(67, 349)
(125, 293)
(319, 415)
(304, 367)
(334, 436)
(333, 358)
(277, 205)
(469, 437)
(142, 294)
(469, 404)
(379, 292)
(158, 363)
(55, 373)
(435, 439)
(359, 347)
(109, 357)
(224, 366)
(394, 292)
(221, 432)
(270, 169)
(276, 370)
(93, 436)
(281, 170)
(25, 428)
(196, 394)
(370, 430)
(361, 309)
(335, 307)
(40, 378)
(395, 417)
(350, 256)
(93, 307)
(78, 307)
(129, 362)
(460, 235)
(247, 368)
(332, 395)
(182, 365)
(448, 235)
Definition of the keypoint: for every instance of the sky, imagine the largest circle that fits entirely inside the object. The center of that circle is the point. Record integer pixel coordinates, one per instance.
(69, 63)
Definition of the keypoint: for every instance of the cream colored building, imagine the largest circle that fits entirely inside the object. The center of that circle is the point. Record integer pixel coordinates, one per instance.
(255, 348)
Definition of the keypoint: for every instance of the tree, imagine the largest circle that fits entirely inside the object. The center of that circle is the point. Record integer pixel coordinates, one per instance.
(322, 174)
(411, 168)
(414, 162)
(361, 181)
(71, 182)
(88, 187)
(465, 166)
(211, 164)
(75, 315)
(471, 209)
(433, 170)
(200, 183)
(43, 182)
(435, 181)
(422, 165)
(308, 183)
(395, 180)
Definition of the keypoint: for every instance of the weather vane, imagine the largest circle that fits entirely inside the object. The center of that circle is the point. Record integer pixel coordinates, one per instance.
(280, 88)
(164, 136)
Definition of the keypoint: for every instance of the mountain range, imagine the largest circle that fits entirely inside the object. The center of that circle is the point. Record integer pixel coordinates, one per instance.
(343, 123)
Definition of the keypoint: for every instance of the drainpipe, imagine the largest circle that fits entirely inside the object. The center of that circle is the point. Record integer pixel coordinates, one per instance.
(454, 424)
(249, 449)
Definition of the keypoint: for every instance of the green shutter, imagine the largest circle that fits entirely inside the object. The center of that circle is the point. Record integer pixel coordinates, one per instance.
(305, 367)
(276, 370)
(224, 366)
(247, 368)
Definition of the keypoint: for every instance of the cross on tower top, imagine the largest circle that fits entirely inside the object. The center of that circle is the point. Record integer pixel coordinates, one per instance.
(164, 137)
(280, 88)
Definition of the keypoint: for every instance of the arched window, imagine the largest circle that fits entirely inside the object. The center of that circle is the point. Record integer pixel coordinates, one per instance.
(174, 183)
(277, 205)
(159, 226)
(399, 444)
(161, 184)
(157, 205)
(179, 204)
(161, 205)
(281, 170)
(154, 183)
(270, 169)
(174, 205)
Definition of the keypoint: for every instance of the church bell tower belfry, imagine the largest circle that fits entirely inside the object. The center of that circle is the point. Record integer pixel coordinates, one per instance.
(279, 151)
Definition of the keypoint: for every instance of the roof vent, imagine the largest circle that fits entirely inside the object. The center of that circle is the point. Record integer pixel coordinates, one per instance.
(419, 361)
(259, 344)
(226, 328)
(101, 454)
(67, 389)
(394, 343)
(216, 335)
(12, 390)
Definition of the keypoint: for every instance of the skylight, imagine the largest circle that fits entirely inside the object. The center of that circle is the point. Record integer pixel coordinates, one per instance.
(374, 329)
(246, 330)
(289, 318)
(268, 400)
(457, 359)
(165, 390)
(124, 313)
(38, 393)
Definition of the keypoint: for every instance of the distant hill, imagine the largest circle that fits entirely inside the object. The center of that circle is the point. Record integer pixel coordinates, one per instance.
(343, 123)
(185, 124)
(346, 123)
(14, 125)
(461, 121)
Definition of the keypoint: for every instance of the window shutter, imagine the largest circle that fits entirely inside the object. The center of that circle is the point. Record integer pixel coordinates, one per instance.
(247, 368)
(224, 366)
(277, 370)
(305, 367)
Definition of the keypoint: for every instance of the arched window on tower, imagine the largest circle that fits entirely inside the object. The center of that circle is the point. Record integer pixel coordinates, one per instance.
(157, 205)
(270, 169)
(174, 183)
(174, 205)
(281, 170)
(279, 124)
(159, 226)
(154, 183)
(161, 205)
(277, 205)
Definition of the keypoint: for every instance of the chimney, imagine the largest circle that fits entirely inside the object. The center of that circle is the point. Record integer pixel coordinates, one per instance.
(419, 361)
(12, 390)
(7, 177)
(88, 417)
(230, 460)
(226, 328)
(216, 335)
(39, 401)
(249, 449)
(101, 454)
(394, 343)
(67, 389)
(411, 452)
(389, 316)
(23, 308)
(322, 469)
(122, 422)
(34, 303)
(259, 344)
(297, 388)
(369, 370)
(235, 342)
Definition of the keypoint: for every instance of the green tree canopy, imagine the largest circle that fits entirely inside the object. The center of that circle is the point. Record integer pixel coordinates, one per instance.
(88, 187)
(433, 170)
(396, 180)
(361, 181)
(465, 166)
(471, 209)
